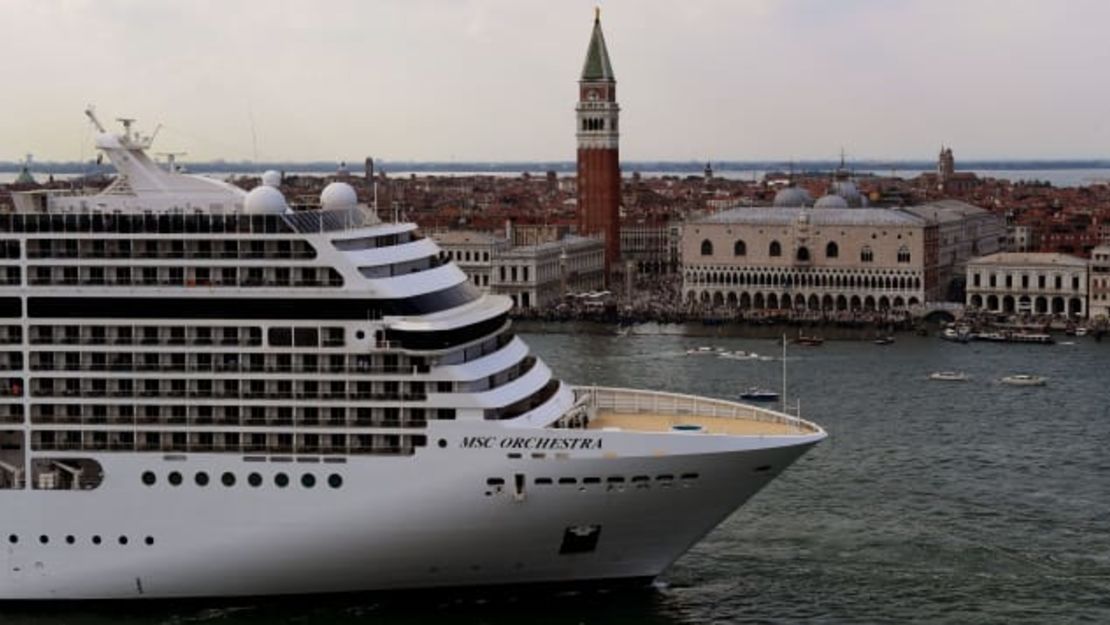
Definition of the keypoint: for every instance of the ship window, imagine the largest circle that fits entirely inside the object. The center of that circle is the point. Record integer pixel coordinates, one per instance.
(308, 480)
(616, 479)
(254, 480)
(149, 540)
(282, 480)
(228, 479)
(123, 540)
(281, 337)
(201, 478)
(306, 337)
(13, 539)
(70, 539)
(96, 540)
(690, 476)
(175, 478)
(495, 481)
(148, 478)
(543, 480)
(664, 478)
(335, 480)
(591, 480)
(567, 480)
(44, 539)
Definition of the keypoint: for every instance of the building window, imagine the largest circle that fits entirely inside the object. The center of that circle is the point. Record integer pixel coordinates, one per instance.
(706, 248)
(903, 254)
(866, 255)
(832, 250)
(975, 279)
(739, 249)
(775, 249)
(803, 254)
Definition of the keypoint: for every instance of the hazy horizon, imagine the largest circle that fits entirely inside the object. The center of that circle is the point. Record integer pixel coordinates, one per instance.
(495, 80)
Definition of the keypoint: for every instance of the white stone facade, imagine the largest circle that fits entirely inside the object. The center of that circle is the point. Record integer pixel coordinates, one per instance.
(1028, 283)
(535, 276)
(1100, 283)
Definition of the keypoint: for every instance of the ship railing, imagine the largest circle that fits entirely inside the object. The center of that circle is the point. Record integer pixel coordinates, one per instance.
(630, 401)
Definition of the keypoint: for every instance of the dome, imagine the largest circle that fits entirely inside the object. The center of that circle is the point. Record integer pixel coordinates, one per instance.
(338, 196)
(792, 197)
(272, 178)
(264, 200)
(830, 201)
(847, 190)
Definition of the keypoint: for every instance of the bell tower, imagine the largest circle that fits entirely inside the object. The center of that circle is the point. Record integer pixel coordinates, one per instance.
(599, 175)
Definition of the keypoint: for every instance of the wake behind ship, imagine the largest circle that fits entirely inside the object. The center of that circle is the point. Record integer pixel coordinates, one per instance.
(210, 394)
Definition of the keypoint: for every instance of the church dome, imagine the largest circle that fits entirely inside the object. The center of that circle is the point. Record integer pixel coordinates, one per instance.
(792, 197)
(830, 201)
(271, 178)
(847, 190)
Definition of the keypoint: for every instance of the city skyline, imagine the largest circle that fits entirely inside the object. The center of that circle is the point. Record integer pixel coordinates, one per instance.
(496, 81)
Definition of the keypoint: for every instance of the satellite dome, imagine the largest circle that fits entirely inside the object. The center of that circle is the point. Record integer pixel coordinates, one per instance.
(847, 190)
(264, 200)
(792, 197)
(338, 196)
(830, 201)
(272, 178)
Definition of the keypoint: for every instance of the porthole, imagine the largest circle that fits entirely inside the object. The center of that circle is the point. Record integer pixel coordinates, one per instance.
(335, 480)
(149, 540)
(13, 539)
(149, 478)
(360, 335)
(442, 443)
(96, 540)
(44, 539)
(282, 480)
(228, 479)
(254, 480)
(308, 480)
(70, 539)
(123, 540)
(201, 478)
(175, 478)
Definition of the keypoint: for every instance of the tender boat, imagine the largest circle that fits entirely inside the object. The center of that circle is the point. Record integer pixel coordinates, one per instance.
(809, 341)
(1024, 379)
(884, 340)
(759, 394)
(949, 376)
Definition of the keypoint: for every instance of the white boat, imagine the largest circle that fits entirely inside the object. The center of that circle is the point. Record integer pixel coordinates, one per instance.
(1022, 379)
(704, 350)
(207, 393)
(739, 355)
(949, 376)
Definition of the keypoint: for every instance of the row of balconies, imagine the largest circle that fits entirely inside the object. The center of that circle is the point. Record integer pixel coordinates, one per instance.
(184, 276)
(231, 442)
(248, 336)
(229, 416)
(293, 249)
(232, 389)
(368, 364)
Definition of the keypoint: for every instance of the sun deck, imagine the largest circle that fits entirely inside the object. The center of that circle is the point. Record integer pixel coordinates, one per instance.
(652, 411)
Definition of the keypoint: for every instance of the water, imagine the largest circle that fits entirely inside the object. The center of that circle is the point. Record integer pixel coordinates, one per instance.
(942, 502)
(1073, 177)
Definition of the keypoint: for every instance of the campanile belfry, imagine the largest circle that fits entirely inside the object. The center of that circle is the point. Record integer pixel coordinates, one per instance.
(599, 174)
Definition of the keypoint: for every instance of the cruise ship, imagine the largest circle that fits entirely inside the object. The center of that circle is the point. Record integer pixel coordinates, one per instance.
(207, 393)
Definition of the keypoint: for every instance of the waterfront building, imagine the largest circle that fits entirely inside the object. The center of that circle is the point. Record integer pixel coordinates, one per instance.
(1028, 283)
(1100, 283)
(473, 252)
(599, 175)
(833, 258)
(535, 276)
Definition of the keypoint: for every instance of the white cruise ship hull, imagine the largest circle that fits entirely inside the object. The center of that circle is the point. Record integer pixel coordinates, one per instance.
(426, 521)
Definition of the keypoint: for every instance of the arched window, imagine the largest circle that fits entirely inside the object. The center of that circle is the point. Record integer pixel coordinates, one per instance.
(832, 250)
(803, 254)
(903, 254)
(739, 249)
(706, 248)
(776, 249)
(866, 255)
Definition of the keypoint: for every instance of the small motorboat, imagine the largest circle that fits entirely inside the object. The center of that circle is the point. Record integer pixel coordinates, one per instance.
(759, 394)
(739, 355)
(809, 341)
(949, 376)
(1081, 331)
(701, 351)
(884, 340)
(1024, 379)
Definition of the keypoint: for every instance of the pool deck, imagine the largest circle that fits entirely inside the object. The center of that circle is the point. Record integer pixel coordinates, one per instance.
(655, 422)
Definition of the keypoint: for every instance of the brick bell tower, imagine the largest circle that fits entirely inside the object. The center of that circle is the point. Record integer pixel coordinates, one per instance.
(599, 173)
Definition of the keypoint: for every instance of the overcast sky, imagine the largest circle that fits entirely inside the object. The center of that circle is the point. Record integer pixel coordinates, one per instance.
(496, 79)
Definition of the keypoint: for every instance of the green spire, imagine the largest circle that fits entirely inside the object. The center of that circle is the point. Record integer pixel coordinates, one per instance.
(597, 66)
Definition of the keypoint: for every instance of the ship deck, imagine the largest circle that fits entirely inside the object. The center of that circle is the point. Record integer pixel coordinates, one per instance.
(653, 411)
